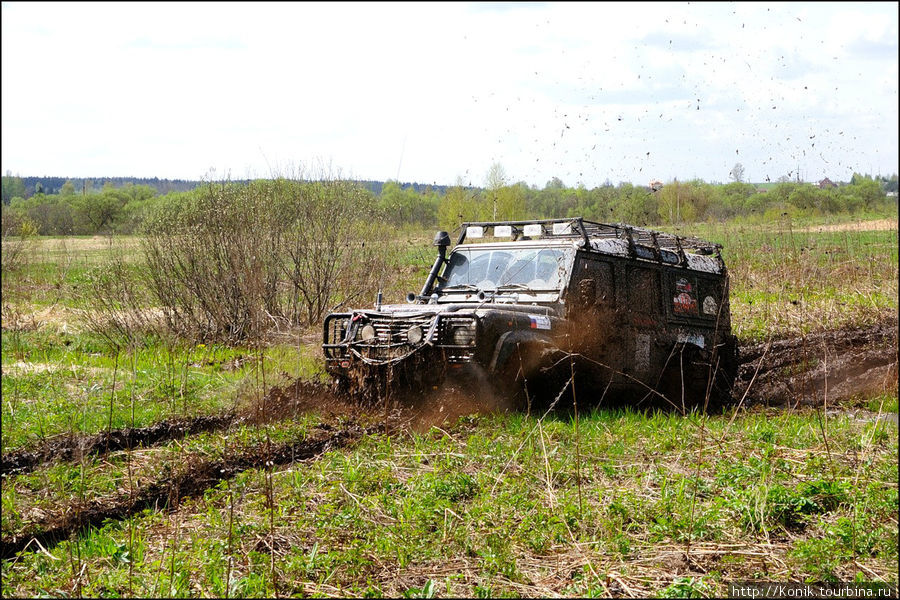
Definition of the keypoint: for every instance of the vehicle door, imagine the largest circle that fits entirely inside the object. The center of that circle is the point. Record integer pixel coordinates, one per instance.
(591, 306)
(643, 315)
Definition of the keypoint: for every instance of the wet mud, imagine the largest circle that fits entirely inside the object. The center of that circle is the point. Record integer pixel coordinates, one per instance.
(74, 447)
(826, 367)
(165, 494)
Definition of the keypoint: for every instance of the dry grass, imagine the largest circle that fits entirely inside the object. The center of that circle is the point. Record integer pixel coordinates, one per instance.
(875, 225)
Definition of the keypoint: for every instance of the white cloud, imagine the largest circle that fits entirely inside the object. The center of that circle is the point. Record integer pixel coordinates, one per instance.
(430, 91)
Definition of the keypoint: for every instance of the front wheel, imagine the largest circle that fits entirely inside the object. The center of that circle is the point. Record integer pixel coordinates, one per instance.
(530, 378)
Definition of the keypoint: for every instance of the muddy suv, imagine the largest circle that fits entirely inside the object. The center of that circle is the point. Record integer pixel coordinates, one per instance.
(532, 307)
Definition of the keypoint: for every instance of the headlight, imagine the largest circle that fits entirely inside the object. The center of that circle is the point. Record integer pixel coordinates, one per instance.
(414, 335)
(367, 333)
(463, 335)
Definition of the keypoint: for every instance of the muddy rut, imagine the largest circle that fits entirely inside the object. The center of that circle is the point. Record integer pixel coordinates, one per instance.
(74, 447)
(194, 479)
(278, 404)
(830, 366)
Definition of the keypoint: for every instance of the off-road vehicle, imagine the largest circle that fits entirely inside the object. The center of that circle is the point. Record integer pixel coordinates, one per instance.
(532, 307)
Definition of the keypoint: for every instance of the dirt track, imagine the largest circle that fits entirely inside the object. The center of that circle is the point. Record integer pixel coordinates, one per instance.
(879, 225)
(280, 403)
(71, 447)
(193, 479)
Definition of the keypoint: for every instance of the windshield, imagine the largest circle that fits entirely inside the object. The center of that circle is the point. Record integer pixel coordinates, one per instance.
(524, 268)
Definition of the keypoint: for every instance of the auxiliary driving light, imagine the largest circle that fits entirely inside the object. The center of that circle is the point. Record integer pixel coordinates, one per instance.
(414, 335)
(463, 335)
(367, 333)
(533, 230)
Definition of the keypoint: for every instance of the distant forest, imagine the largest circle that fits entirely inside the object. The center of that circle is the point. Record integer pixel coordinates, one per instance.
(53, 185)
(121, 205)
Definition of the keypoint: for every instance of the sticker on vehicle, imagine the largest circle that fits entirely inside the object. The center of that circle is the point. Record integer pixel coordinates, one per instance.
(540, 322)
(684, 302)
(692, 338)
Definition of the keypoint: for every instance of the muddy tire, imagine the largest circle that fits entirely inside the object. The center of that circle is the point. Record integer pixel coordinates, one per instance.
(524, 379)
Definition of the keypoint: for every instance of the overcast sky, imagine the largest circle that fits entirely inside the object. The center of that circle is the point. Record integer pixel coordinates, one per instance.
(435, 92)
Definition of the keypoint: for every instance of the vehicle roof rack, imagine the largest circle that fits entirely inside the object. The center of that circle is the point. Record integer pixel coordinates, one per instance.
(587, 230)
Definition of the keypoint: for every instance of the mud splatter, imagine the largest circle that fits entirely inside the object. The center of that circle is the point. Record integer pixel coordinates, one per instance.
(446, 406)
(302, 397)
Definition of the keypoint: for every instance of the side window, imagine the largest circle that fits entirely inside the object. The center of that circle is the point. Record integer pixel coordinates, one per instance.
(458, 268)
(643, 290)
(602, 274)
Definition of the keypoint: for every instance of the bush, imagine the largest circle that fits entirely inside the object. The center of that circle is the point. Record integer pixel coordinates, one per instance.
(230, 261)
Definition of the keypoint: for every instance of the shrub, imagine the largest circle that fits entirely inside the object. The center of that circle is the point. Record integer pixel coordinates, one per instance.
(230, 261)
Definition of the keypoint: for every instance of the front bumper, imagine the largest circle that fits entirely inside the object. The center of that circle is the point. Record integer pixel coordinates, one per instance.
(433, 339)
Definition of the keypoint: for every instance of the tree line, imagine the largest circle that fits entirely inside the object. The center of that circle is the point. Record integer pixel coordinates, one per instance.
(26, 187)
(123, 209)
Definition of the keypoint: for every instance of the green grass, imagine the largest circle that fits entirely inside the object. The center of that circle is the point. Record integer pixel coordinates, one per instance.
(55, 383)
(883, 404)
(57, 270)
(504, 503)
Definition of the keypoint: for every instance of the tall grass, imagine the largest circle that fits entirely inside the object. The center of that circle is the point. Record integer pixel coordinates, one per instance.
(603, 503)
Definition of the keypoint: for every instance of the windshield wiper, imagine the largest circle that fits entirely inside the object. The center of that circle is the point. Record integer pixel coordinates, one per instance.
(462, 286)
(513, 286)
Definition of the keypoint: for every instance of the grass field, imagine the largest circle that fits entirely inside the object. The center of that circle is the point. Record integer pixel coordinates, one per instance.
(318, 500)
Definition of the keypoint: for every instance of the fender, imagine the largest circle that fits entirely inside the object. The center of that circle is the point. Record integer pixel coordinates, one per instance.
(509, 341)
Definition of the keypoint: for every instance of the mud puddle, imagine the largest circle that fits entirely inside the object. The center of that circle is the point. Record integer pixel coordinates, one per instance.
(192, 480)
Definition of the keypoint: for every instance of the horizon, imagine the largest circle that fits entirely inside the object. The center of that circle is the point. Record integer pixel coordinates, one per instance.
(402, 184)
